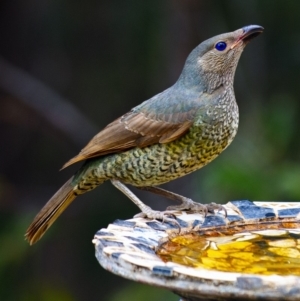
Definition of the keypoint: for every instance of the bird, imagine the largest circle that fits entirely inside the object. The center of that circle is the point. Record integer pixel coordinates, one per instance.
(168, 136)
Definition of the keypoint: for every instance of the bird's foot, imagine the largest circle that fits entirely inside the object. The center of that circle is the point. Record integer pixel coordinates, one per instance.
(164, 216)
(190, 205)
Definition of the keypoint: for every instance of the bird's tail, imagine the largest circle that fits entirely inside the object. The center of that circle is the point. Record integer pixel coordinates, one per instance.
(50, 212)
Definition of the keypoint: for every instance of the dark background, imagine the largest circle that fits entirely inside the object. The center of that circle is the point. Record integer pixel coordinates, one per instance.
(67, 68)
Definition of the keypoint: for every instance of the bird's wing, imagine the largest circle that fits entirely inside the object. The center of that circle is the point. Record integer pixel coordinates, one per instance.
(144, 125)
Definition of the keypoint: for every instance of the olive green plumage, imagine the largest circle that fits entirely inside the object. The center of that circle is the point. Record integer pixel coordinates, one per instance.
(166, 137)
(161, 163)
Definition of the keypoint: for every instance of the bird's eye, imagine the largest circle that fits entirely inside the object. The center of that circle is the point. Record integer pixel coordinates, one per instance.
(221, 46)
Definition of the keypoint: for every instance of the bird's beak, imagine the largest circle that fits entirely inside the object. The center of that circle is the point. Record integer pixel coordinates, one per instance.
(249, 32)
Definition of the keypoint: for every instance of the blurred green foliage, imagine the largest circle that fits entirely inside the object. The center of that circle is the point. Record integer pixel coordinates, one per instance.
(105, 57)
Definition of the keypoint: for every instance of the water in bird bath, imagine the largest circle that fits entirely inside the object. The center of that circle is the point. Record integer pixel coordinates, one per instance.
(258, 252)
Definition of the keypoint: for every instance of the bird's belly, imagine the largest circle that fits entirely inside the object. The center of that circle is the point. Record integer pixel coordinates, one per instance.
(161, 163)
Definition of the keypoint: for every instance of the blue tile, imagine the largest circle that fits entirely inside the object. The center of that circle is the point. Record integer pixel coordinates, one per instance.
(162, 271)
(270, 214)
(233, 218)
(116, 255)
(171, 225)
(196, 222)
(109, 243)
(156, 225)
(161, 226)
(250, 211)
(154, 241)
(144, 248)
(104, 233)
(122, 223)
(291, 212)
(140, 229)
(249, 283)
(137, 239)
(182, 223)
(213, 221)
(255, 212)
(239, 203)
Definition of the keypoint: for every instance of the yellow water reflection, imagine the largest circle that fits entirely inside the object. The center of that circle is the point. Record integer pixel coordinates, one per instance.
(258, 252)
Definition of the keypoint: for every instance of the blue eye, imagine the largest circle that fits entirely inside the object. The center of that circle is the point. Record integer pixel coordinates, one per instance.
(221, 46)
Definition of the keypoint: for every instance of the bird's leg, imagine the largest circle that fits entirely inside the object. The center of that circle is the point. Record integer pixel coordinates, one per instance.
(186, 203)
(146, 210)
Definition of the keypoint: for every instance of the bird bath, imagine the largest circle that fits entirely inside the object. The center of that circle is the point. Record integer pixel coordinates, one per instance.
(253, 253)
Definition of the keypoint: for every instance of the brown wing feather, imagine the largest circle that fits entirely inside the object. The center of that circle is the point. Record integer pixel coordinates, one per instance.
(176, 133)
(131, 130)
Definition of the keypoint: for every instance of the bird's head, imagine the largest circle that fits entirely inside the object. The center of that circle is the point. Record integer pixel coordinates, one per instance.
(214, 61)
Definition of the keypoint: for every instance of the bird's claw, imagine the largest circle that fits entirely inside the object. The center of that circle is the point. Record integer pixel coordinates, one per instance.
(213, 206)
(159, 215)
(190, 205)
